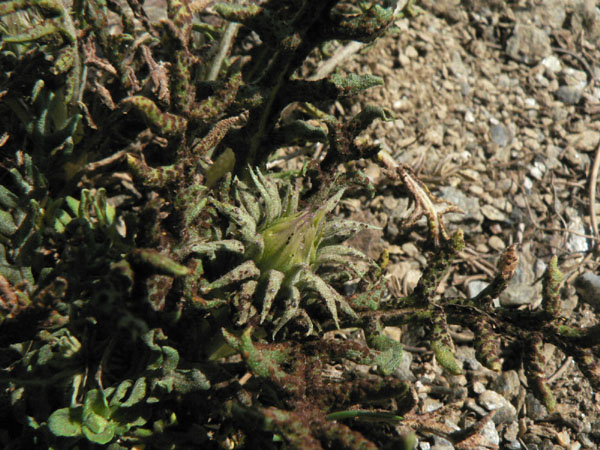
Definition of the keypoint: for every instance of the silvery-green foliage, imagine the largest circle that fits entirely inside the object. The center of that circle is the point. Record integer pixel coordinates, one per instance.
(286, 251)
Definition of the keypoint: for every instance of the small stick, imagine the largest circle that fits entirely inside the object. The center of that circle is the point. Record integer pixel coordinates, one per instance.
(224, 47)
(562, 369)
(593, 186)
(328, 66)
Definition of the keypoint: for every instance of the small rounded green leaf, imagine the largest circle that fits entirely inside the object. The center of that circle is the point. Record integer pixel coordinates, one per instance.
(65, 422)
(138, 392)
(95, 403)
(105, 433)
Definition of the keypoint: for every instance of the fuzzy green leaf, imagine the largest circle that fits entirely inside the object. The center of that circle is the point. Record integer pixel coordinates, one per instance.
(66, 422)
(353, 84)
(138, 392)
(163, 123)
(162, 264)
(95, 403)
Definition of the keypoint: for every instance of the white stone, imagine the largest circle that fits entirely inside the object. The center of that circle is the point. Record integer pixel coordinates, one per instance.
(552, 63)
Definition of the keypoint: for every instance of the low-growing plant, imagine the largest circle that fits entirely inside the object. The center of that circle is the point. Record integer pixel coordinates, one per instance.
(161, 286)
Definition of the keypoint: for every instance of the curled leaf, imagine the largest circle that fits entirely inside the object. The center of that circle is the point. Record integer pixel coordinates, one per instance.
(426, 203)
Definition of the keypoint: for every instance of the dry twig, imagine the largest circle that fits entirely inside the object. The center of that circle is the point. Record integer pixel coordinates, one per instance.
(592, 196)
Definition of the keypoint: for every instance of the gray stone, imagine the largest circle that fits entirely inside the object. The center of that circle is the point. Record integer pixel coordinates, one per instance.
(535, 410)
(439, 443)
(511, 432)
(475, 287)
(575, 158)
(492, 401)
(585, 141)
(528, 44)
(586, 19)
(522, 290)
(585, 440)
(501, 135)
(456, 65)
(465, 88)
(595, 429)
(551, 13)
(467, 356)
(469, 205)
(494, 214)
(507, 384)
(478, 387)
(424, 446)
(552, 63)
(588, 289)
(575, 242)
(430, 405)
(518, 294)
(552, 154)
(569, 95)
(490, 434)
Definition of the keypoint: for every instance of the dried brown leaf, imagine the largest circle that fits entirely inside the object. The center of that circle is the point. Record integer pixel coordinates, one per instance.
(426, 204)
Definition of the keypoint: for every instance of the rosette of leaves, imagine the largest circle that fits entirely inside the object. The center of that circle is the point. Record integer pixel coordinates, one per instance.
(288, 256)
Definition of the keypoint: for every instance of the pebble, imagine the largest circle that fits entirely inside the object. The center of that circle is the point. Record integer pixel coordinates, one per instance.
(552, 63)
(439, 443)
(493, 214)
(469, 205)
(569, 95)
(430, 404)
(507, 384)
(537, 170)
(492, 401)
(574, 77)
(475, 287)
(535, 410)
(528, 44)
(412, 278)
(511, 432)
(501, 135)
(467, 356)
(564, 439)
(490, 434)
(551, 13)
(530, 103)
(521, 289)
(575, 242)
(588, 288)
(585, 141)
(411, 52)
(552, 153)
(496, 243)
(585, 440)
(478, 387)
(518, 294)
(575, 158)
(465, 88)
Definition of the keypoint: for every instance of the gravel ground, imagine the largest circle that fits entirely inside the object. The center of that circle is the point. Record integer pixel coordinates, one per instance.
(498, 111)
